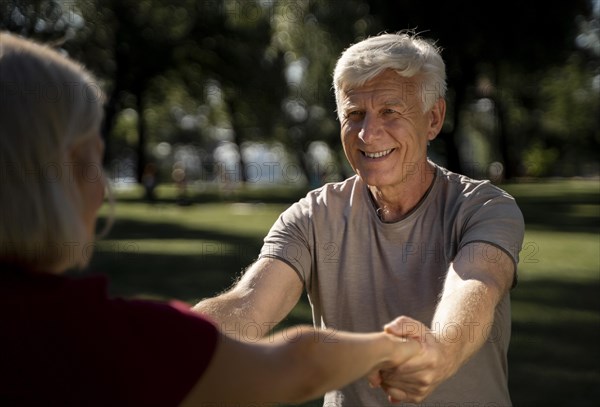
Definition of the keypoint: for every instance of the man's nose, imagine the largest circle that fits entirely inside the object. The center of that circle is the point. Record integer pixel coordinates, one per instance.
(370, 129)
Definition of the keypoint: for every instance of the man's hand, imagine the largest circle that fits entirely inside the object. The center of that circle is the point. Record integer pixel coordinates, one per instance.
(419, 376)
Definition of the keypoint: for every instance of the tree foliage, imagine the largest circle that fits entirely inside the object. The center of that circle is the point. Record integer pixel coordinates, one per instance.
(208, 72)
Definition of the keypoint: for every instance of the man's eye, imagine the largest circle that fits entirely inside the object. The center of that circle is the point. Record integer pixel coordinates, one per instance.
(389, 111)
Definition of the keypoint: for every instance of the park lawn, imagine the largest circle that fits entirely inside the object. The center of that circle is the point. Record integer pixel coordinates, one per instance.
(554, 357)
(163, 250)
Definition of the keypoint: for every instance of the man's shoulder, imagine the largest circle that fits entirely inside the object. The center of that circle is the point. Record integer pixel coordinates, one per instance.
(341, 190)
(465, 187)
(476, 199)
(332, 197)
(337, 187)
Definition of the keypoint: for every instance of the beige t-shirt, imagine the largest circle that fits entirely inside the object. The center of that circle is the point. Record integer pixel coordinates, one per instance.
(360, 273)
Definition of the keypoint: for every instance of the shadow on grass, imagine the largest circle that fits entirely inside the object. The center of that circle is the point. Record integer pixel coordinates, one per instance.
(212, 266)
(554, 357)
(550, 207)
(125, 229)
(216, 261)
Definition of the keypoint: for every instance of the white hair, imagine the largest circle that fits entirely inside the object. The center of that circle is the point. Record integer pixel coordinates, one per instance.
(405, 53)
(48, 103)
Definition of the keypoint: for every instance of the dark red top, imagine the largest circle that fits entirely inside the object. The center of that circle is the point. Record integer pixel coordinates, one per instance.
(63, 342)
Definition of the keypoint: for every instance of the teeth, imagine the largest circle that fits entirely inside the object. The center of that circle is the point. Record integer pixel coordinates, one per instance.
(378, 154)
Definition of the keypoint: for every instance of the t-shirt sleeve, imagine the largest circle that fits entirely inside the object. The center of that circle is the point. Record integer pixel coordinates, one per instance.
(289, 239)
(163, 348)
(493, 217)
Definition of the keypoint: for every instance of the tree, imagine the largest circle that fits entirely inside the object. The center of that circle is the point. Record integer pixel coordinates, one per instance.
(312, 35)
(197, 42)
(130, 43)
(249, 77)
(51, 22)
(271, 62)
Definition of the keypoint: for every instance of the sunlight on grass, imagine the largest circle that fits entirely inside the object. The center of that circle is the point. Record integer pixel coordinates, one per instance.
(552, 188)
(560, 255)
(179, 247)
(551, 314)
(244, 218)
(556, 323)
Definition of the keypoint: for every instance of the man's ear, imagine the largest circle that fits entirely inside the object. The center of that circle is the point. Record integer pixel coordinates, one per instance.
(437, 114)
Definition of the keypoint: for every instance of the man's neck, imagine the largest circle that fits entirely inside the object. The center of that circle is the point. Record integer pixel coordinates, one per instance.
(395, 202)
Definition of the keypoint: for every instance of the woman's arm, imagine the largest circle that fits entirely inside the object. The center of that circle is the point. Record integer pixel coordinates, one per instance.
(295, 365)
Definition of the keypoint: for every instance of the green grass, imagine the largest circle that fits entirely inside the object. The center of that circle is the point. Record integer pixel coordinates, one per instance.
(170, 251)
(554, 357)
(164, 250)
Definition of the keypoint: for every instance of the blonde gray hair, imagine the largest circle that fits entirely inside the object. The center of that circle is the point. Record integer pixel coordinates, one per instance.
(405, 53)
(48, 104)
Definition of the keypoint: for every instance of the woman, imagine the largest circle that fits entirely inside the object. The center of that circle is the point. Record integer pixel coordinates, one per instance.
(63, 341)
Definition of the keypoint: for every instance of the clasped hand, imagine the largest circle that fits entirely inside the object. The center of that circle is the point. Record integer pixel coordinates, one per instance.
(415, 379)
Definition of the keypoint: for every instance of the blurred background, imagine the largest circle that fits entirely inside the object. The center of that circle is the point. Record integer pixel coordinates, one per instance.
(220, 91)
(220, 114)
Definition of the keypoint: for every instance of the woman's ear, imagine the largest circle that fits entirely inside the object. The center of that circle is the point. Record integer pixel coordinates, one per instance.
(76, 151)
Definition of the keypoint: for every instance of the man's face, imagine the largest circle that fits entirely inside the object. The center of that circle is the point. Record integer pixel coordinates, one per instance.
(384, 130)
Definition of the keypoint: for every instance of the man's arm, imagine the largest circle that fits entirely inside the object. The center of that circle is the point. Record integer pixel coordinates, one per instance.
(476, 282)
(265, 294)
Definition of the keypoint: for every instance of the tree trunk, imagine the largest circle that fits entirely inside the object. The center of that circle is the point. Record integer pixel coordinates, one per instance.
(510, 169)
(141, 127)
(110, 114)
(237, 137)
(453, 162)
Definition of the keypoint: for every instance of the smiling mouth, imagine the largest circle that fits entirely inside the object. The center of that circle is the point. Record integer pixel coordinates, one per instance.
(378, 154)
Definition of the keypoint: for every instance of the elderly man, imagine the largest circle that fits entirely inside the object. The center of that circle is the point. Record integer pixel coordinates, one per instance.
(404, 237)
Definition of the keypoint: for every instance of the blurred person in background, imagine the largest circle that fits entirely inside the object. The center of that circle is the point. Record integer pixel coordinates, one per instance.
(404, 239)
(63, 341)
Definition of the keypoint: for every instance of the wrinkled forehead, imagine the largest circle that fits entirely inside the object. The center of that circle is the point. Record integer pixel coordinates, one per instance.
(388, 88)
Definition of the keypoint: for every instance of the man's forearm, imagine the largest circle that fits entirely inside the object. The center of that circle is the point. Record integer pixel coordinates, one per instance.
(473, 288)
(265, 294)
(462, 320)
(460, 326)
(233, 318)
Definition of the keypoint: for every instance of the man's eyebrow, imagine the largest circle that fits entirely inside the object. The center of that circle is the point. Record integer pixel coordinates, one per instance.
(394, 102)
